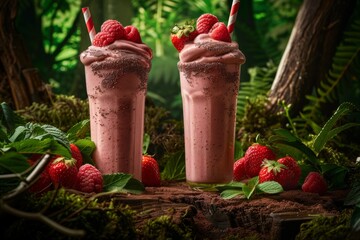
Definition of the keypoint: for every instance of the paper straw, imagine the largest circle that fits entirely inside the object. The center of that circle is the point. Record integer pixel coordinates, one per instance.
(89, 23)
(233, 13)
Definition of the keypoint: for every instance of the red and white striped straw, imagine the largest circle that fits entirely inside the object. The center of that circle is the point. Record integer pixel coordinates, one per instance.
(233, 13)
(89, 23)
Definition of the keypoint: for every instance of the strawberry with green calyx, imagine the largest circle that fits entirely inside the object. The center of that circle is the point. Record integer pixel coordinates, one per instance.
(315, 183)
(254, 157)
(150, 171)
(63, 172)
(285, 171)
(181, 34)
(239, 171)
(89, 179)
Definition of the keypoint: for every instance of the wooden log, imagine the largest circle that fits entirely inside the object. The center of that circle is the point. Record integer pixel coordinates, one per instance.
(308, 55)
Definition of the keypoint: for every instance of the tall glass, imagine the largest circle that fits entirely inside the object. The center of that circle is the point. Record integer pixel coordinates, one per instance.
(209, 91)
(116, 81)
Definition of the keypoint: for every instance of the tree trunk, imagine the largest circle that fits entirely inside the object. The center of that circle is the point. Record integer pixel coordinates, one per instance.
(19, 81)
(308, 55)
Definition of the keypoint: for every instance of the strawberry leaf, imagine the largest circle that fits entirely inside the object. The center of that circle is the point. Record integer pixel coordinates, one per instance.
(121, 182)
(86, 147)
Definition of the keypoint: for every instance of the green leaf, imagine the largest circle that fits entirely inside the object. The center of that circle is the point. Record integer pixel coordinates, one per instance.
(324, 136)
(48, 145)
(146, 143)
(57, 134)
(250, 187)
(231, 193)
(86, 147)
(353, 196)
(355, 219)
(232, 185)
(175, 167)
(79, 131)
(335, 174)
(270, 187)
(13, 162)
(121, 182)
(238, 151)
(9, 119)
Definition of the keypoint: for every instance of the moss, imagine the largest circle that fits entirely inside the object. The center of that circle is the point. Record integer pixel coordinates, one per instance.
(326, 228)
(100, 220)
(164, 227)
(256, 120)
(63, 113)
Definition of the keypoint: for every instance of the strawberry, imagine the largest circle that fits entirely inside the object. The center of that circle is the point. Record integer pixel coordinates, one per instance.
(220, 32)
(63, 172)
(314, 183)
(293, 167)
(89, 179)
(285, 171)
(76, 154)
(132, 34)
(180, 35)
(114, 28)
(43, 184)
(150, 172)
(205, 22)
(239, 169)
(254, 157)
(103, 39)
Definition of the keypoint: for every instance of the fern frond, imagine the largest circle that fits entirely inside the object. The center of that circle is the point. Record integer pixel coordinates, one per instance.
(345, 63)
(260, 82)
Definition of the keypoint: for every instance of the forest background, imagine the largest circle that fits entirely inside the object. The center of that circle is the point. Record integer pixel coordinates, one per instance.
(55, 34)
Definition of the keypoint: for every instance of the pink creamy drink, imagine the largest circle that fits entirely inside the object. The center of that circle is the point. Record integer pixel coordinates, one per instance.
(116, 81)
(210, 77)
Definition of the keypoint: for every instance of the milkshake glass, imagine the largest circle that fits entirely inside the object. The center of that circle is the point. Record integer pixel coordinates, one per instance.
(210, 78)
(116, 83)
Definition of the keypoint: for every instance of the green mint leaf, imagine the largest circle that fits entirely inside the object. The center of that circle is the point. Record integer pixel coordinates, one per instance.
(57, 134)
(13, 162)
(79, 131)
(231, 193)
(238, 152)
(86, 147)
(250, 187)
(232, 185)
(270, 187)
(175, 167)
(121, 182)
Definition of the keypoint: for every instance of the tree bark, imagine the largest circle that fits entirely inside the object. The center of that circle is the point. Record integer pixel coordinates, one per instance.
(308, 55)
(20, 82)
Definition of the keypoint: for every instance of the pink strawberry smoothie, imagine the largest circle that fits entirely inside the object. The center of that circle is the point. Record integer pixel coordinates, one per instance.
(116, 83)
(210, 78)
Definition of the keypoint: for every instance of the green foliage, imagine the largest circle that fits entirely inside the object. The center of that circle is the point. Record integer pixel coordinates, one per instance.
(121, 182)
(344, 70)
(174, 166)
(100, 220)
(64, 112)
(329, 228)
(248, 189)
